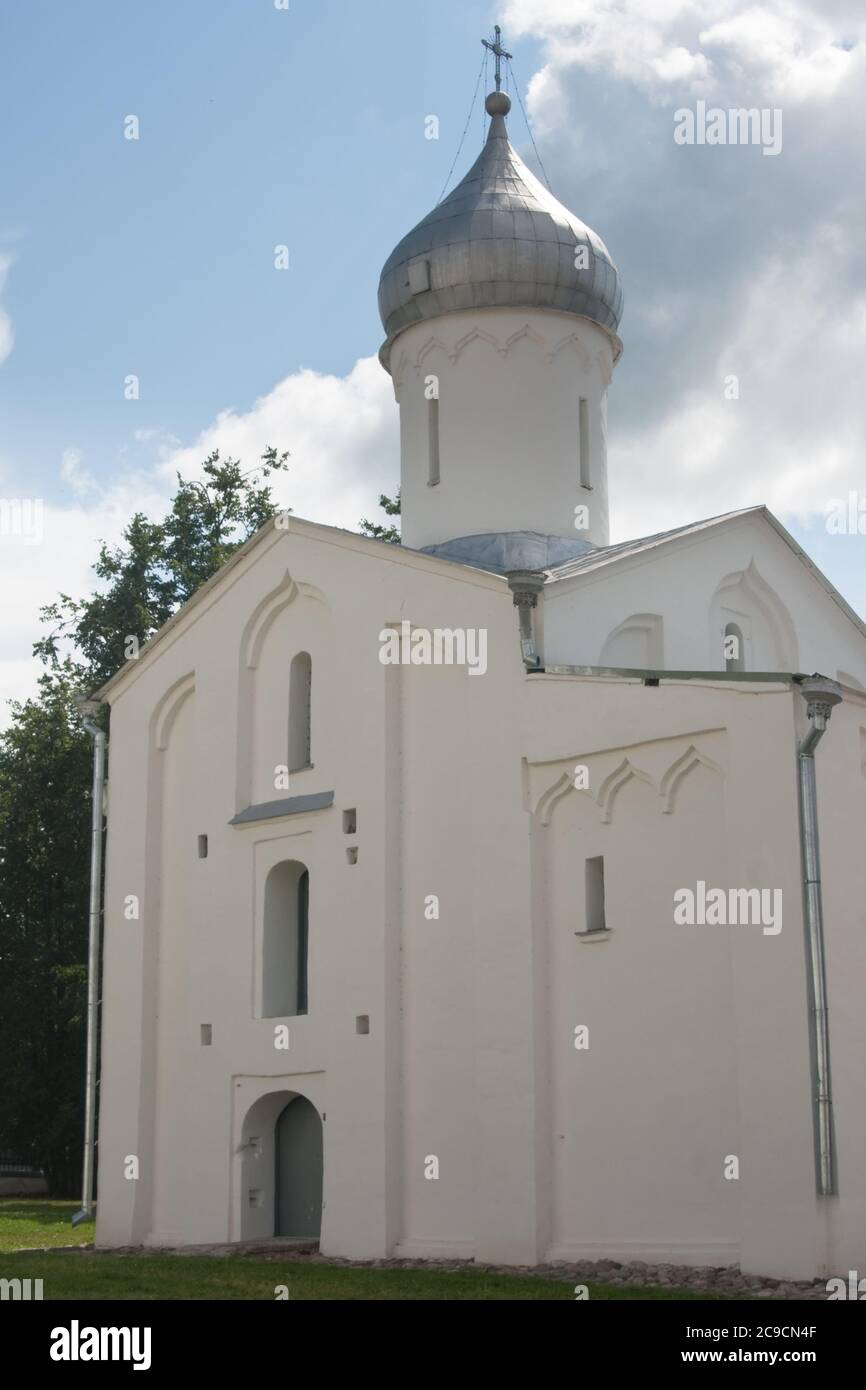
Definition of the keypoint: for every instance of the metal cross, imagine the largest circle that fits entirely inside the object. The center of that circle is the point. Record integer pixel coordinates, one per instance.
(496, 47)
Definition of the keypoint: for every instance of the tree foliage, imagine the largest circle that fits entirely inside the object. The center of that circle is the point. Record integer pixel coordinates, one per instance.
(391, 507)
(45, 797)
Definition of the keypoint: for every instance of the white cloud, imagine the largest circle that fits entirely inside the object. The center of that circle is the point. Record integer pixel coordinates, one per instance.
(343, 436)
(72, 473)
(60, 562)
(795, 438)
(340, 431)
(729, 265)
(793, 50)
(795, 47)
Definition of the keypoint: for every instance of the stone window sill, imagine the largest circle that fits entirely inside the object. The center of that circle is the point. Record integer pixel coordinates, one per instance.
(286, 806)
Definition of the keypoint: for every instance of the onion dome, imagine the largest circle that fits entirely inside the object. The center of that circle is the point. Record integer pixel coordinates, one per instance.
(499, 240)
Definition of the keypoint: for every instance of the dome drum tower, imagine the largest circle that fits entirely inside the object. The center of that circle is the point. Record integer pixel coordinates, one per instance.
(501, 312)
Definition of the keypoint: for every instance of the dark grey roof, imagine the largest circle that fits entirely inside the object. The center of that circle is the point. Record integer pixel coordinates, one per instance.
(500, 239)
(502, 552)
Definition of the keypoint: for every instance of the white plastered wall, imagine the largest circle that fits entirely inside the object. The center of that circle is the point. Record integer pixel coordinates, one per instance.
(469, 1057)
(739, 571)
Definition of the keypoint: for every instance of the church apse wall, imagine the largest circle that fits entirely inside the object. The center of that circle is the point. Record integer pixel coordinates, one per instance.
(644, 1113)
(658, 1041)
(843, 818)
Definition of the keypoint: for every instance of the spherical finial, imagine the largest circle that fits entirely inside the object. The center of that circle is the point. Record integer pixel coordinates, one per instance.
(498, 104)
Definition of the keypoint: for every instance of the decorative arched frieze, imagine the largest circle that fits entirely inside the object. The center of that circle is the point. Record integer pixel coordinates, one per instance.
(433, 344)
(680, 769)
(614, 783)
(576, 343)
(530, 335)
(398, 371)
(604, 362)
(554, 794)
(168, 707)
(526, 332)
(474, 335)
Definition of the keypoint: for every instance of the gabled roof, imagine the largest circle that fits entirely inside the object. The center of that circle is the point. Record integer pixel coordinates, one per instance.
(608, 554)
(328, 535)
(625, 550)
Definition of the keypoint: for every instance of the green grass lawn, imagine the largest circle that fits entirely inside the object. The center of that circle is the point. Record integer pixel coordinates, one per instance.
(25, 1223)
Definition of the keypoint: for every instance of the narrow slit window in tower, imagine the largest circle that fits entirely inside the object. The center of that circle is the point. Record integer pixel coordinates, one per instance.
(583, 443)
(433, 443)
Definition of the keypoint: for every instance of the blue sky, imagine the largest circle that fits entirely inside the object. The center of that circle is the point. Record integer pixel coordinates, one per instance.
(155, 256)
(261, 127)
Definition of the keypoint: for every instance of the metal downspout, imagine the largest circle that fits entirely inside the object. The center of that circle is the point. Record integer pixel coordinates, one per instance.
(525, 586)
(90, 707)
(820, 695)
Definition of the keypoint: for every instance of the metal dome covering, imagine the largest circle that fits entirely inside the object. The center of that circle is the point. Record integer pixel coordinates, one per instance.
(499, 240)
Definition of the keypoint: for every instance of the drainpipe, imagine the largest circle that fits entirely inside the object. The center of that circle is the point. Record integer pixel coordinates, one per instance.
(525, 586)
(87, 708)
(820, 695)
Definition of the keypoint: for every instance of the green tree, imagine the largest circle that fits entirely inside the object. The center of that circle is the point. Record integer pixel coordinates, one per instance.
(45, 797)
(158, 566)
(391, 507)
(44, 868)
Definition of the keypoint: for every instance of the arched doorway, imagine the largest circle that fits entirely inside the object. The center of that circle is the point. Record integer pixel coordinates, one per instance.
(298, 1170)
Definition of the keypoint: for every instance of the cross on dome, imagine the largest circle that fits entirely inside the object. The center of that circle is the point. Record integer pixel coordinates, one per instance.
(496, 47)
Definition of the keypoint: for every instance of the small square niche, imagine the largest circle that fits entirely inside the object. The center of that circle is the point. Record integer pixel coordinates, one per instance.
(206, 1034)
(350, 822)
(362, 1023)
(352, 855)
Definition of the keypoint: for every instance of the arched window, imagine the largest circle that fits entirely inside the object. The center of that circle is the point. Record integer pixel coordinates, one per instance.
(300, 689)
(735, 652)
(285, 941)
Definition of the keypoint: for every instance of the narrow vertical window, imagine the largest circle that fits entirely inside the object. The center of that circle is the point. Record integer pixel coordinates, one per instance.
(285, 942)
(583, 443)
(300, 709)
(303, 935)
(595, 920)
(433, 442)
(735, 656)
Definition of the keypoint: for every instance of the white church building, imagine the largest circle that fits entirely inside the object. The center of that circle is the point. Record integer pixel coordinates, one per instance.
(501, 894)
